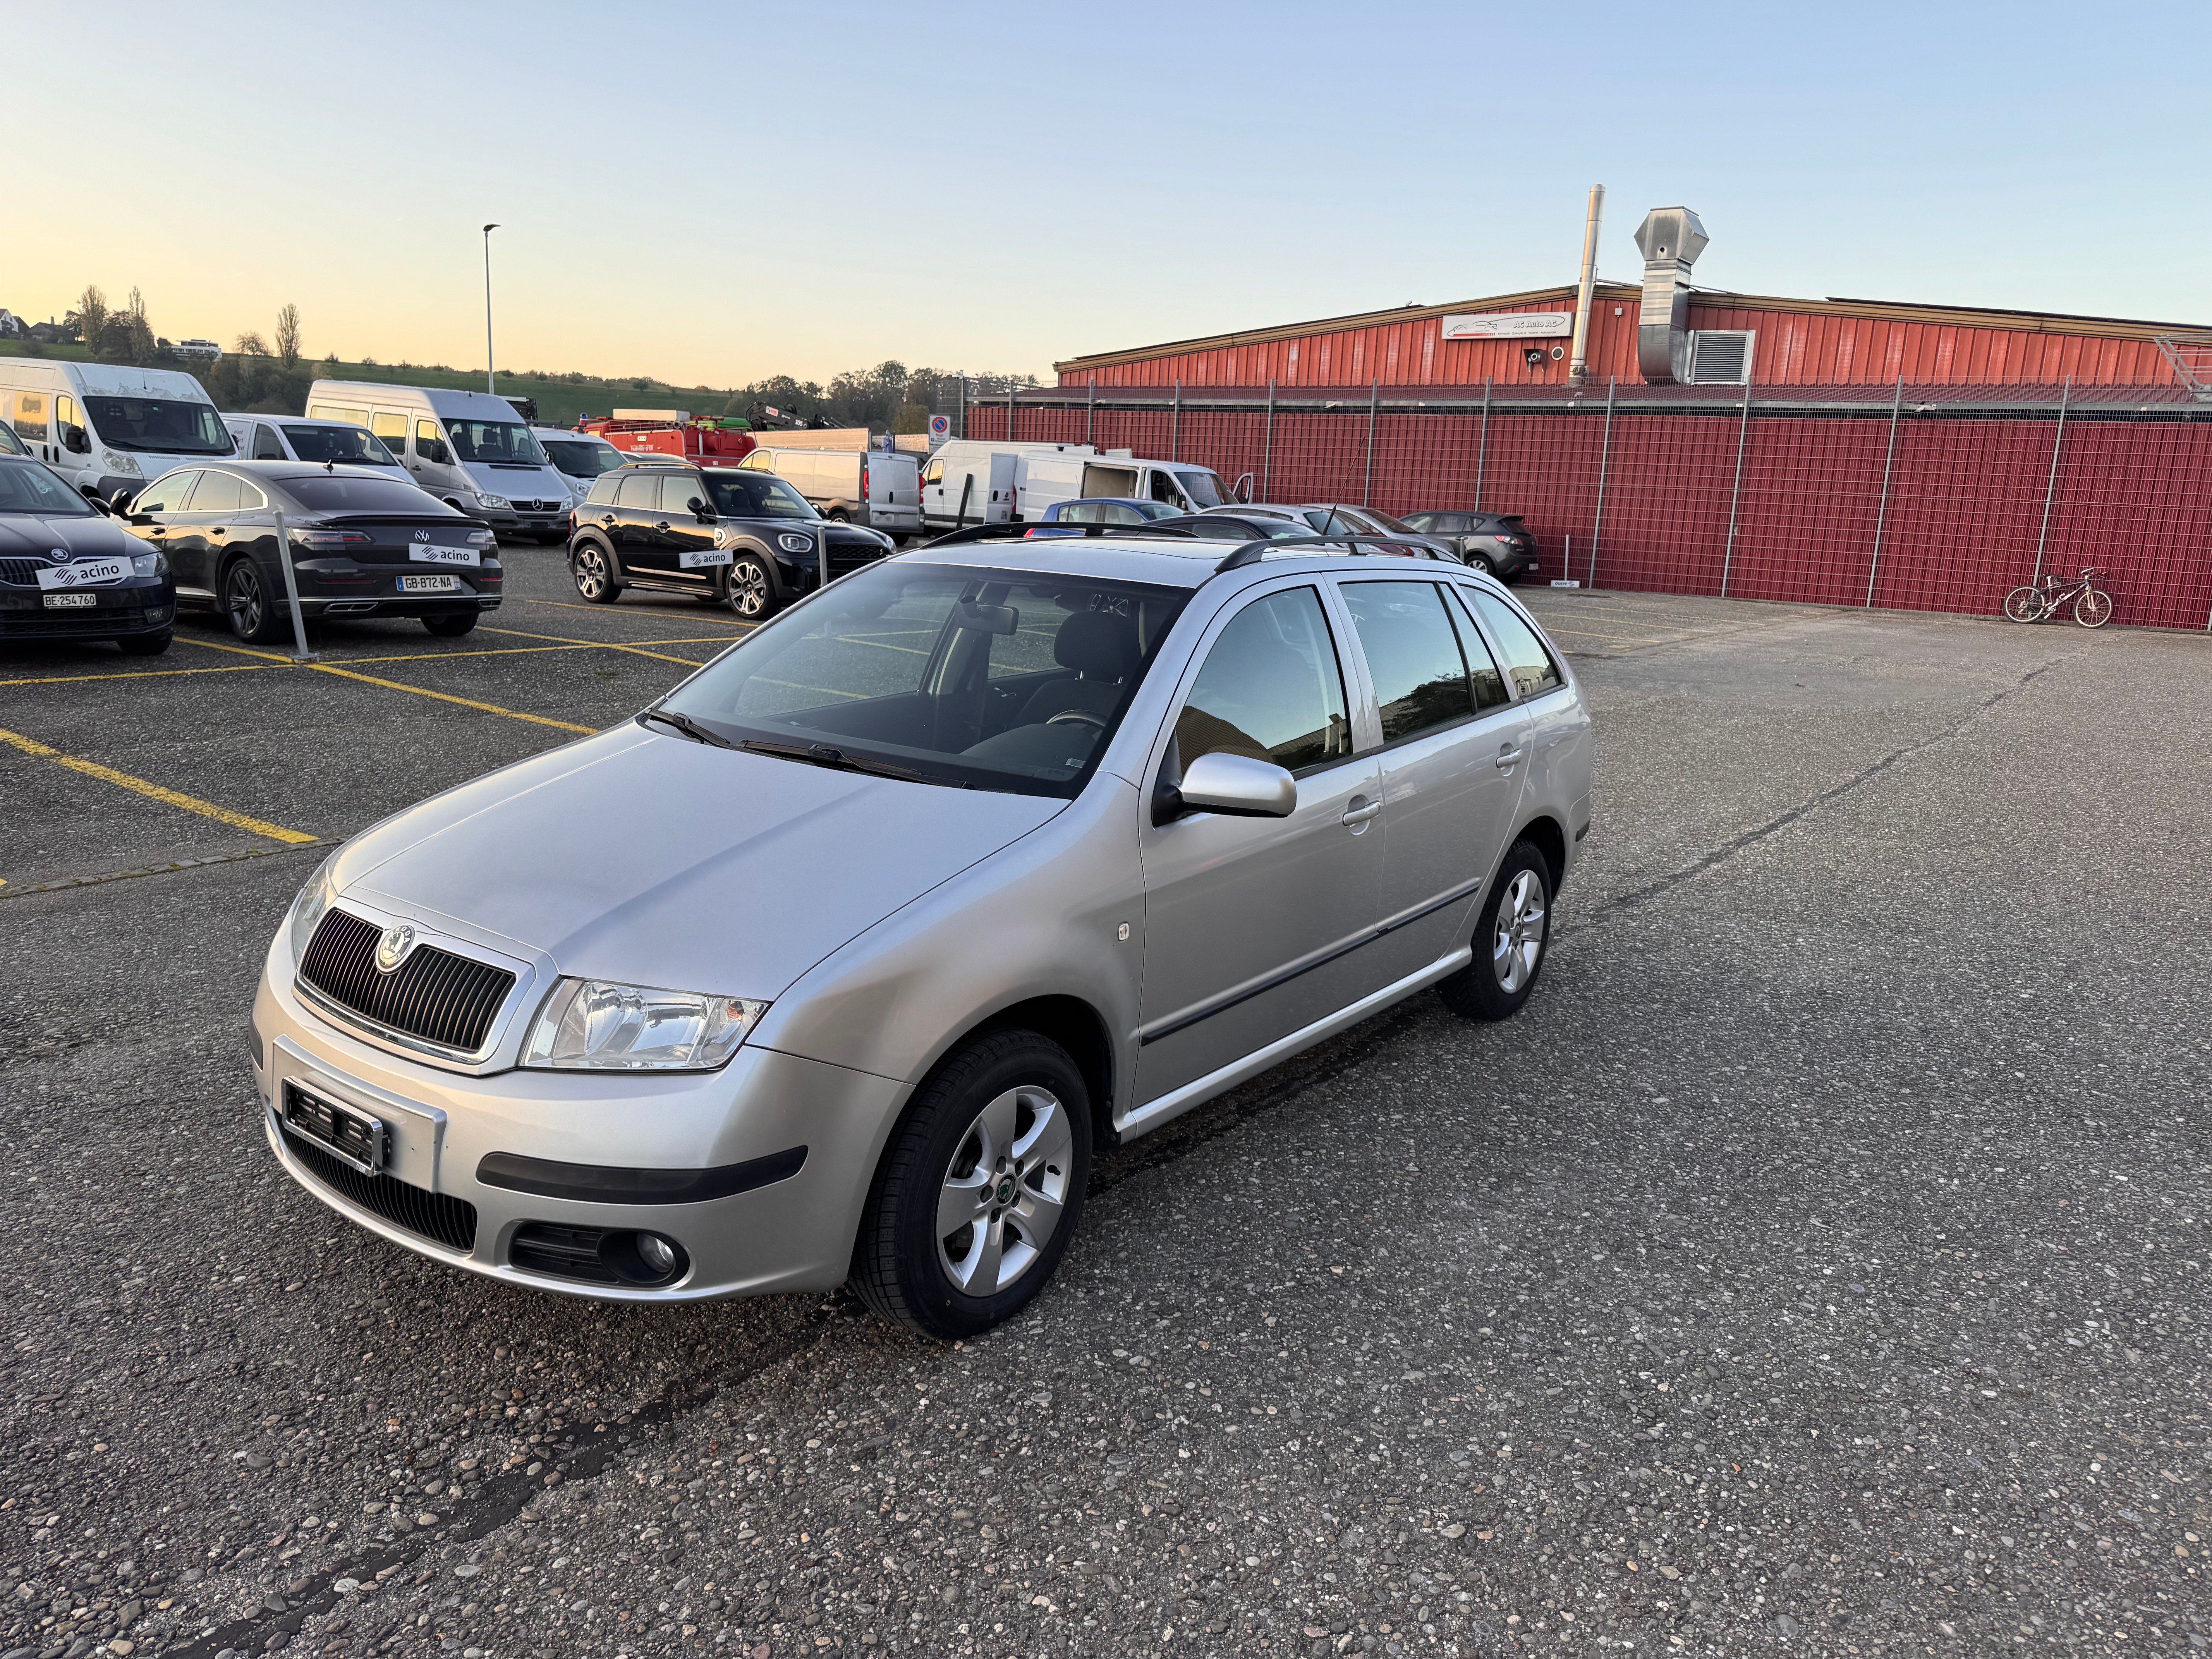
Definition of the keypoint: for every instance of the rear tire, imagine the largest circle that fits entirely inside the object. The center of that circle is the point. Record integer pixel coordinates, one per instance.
(2024, 605)
(2093, 609)
(1512, 936)
(1480, 562)
(593, 568)
(144, 645)
(451, 628)
(979, 1189)
(247, 603)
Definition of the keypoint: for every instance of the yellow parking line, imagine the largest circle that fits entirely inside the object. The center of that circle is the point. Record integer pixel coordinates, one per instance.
(168, 797)
(142, 674)
(604, 645)
(394, 686)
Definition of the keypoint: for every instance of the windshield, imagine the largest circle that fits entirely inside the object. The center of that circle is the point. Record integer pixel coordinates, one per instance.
(1203, 488)
(494, 443)
(334, 492)
(990, 680)
(1393, 526)
(758, 496)
(346, 444)
(581, 459)
(32, 488)
(158, 426)
(10, 443)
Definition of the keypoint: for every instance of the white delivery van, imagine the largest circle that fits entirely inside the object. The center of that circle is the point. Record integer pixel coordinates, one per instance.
(109, 428)
(867, 486)
(578, 457)
(293, 437)
(468, 449)
(1044, 473)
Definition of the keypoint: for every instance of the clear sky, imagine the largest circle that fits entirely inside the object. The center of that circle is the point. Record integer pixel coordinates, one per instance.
(715, 193)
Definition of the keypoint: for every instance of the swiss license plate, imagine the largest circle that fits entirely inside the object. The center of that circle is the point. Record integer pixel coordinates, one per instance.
(698, 558)
(71, 601)
(438, 553)
(353, 1137)
(429, 584)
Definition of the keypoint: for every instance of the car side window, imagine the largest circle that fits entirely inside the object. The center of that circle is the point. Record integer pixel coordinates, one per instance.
(640, 491)
(602, 489)
(390, 429)
(219, 492)
(165, 493)
(430, 443)
(30, 417)
(266, 445)
(1080, 513)
(1270, 689)
(677, 491)
(1527, 662)
(1490, 690)
(1413, 655)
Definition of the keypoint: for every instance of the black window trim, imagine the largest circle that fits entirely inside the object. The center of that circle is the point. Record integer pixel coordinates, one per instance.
(1310, 580)
(1496, 656)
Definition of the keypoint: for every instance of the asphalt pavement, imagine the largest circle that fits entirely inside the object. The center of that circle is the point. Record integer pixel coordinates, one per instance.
(1818, 1263)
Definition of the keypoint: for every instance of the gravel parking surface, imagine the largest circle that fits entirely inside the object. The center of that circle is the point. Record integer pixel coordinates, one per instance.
(1818, 1263)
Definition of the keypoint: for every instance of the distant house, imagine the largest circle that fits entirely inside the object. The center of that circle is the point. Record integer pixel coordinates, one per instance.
(12, 328)
(204, 351)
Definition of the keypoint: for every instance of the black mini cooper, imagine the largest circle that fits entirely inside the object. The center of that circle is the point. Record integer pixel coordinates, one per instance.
(362, 543)
(68, 573)
(742, 538)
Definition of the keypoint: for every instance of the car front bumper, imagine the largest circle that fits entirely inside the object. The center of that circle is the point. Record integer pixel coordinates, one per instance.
(794, 1233)
(141, 606)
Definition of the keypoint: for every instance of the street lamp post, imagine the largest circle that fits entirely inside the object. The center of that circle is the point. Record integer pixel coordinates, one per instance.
(489, 384)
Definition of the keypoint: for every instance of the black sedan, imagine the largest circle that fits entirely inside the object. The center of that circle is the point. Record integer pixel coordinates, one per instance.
(68, 573)
(1497, 543)
(362, 543)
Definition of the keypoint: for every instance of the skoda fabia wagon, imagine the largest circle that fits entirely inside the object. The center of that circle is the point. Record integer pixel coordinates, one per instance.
(843, 959)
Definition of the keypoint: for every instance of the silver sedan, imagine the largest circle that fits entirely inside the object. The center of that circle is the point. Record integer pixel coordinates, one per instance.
(843, 959)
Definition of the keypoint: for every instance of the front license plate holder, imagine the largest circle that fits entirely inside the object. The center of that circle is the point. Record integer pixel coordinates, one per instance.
(349, 1134)
(430, 584)
(71, 601)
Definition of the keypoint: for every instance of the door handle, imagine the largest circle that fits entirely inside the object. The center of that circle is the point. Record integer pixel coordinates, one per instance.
(660, 524)
(1360, 814)
(608, 518)
(1508, 758)
(218, 531)
(155, 529)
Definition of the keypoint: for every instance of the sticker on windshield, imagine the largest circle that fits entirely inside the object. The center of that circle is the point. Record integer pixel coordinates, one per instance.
(85, 573)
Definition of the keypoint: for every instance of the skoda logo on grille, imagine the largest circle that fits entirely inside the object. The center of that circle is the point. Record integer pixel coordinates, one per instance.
(61, 554)
(392, 946)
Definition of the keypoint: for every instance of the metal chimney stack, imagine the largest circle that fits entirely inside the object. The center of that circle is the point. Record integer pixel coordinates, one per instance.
(1671, 238)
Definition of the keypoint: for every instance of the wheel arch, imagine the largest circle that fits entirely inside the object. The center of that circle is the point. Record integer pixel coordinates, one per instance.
(1072, 1022)
(1548, 836)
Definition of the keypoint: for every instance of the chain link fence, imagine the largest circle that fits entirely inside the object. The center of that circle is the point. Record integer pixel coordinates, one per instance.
(1915, 498)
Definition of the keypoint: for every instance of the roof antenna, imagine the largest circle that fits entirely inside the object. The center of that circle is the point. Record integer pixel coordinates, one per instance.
(330, 466)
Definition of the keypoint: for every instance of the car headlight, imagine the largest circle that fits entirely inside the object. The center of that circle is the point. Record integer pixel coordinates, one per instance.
(308, 908)
(150, 564)
(792, 544)
(593, 1025)
(483, 500)
(122, 464)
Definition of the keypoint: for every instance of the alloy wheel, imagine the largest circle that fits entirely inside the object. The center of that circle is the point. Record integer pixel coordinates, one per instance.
(243, 599)
(1520, 937)
(591, 573)
(1006, 1191)
(749, 593)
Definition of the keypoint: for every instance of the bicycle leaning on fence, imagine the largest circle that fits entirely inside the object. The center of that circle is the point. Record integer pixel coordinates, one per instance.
(2040, 601)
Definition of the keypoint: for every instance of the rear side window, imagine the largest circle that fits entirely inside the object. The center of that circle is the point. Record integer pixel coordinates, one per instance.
(340, 412)
(603, 489)
(218, 493)
(1527, 663)
(267, 447)
(640, 490)
(1481, 667)
(1413, 655)
(390, 429)
(1270, 689)
(30, 416)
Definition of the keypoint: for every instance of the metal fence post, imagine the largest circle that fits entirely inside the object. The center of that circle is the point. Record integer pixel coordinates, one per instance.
(1373, 396)
(1268, 449)
(1604, 465)
(1090, 415)
(1175, 427)
(1010, 414)
(1735, 492)
(960, 413)
(1881, 514)
(1482, 444)
(2052, 483)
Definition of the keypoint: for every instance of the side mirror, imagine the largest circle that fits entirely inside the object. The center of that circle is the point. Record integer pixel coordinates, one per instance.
(93, 495)
(73, 441)
(1244, 488)
(120, 504)
(700, 511)
(1239, 786)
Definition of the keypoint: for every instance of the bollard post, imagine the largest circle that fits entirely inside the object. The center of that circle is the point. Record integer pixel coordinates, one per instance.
(292, 591)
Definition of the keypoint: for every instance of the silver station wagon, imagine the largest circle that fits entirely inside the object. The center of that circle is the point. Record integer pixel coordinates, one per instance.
(842, 960)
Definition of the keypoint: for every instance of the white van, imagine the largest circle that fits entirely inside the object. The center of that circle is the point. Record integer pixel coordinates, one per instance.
(293, 437)
(467, 448)
(869, 486)
(109, 428)
(578, 457)
(1000, 482)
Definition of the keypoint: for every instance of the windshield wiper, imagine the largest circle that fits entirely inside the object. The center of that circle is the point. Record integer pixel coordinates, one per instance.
(822, 754)
(689, 727)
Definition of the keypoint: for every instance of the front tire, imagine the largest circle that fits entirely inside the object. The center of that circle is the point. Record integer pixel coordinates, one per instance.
(749, 590)
(1513, 935)
(247, 603)
(592, 568)
(2093, 609)
(979, 1189)
(2024, 605)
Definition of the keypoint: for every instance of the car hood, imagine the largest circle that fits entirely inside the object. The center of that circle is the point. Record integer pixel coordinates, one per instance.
(23, 534)
(647, 857)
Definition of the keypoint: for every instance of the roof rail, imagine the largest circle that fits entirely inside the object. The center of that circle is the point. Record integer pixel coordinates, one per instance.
(1253, 552)
(1016, 529)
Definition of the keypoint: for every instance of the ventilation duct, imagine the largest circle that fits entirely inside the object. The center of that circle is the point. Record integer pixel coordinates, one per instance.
(1671, 240)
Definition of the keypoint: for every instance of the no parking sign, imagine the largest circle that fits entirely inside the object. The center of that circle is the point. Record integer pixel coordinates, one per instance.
(940, 427)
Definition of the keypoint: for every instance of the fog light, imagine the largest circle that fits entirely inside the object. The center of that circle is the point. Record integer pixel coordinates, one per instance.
(646, 1260)
(657, 1252)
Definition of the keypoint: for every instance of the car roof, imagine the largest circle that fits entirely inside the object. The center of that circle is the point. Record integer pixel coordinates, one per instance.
(1131, 555)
